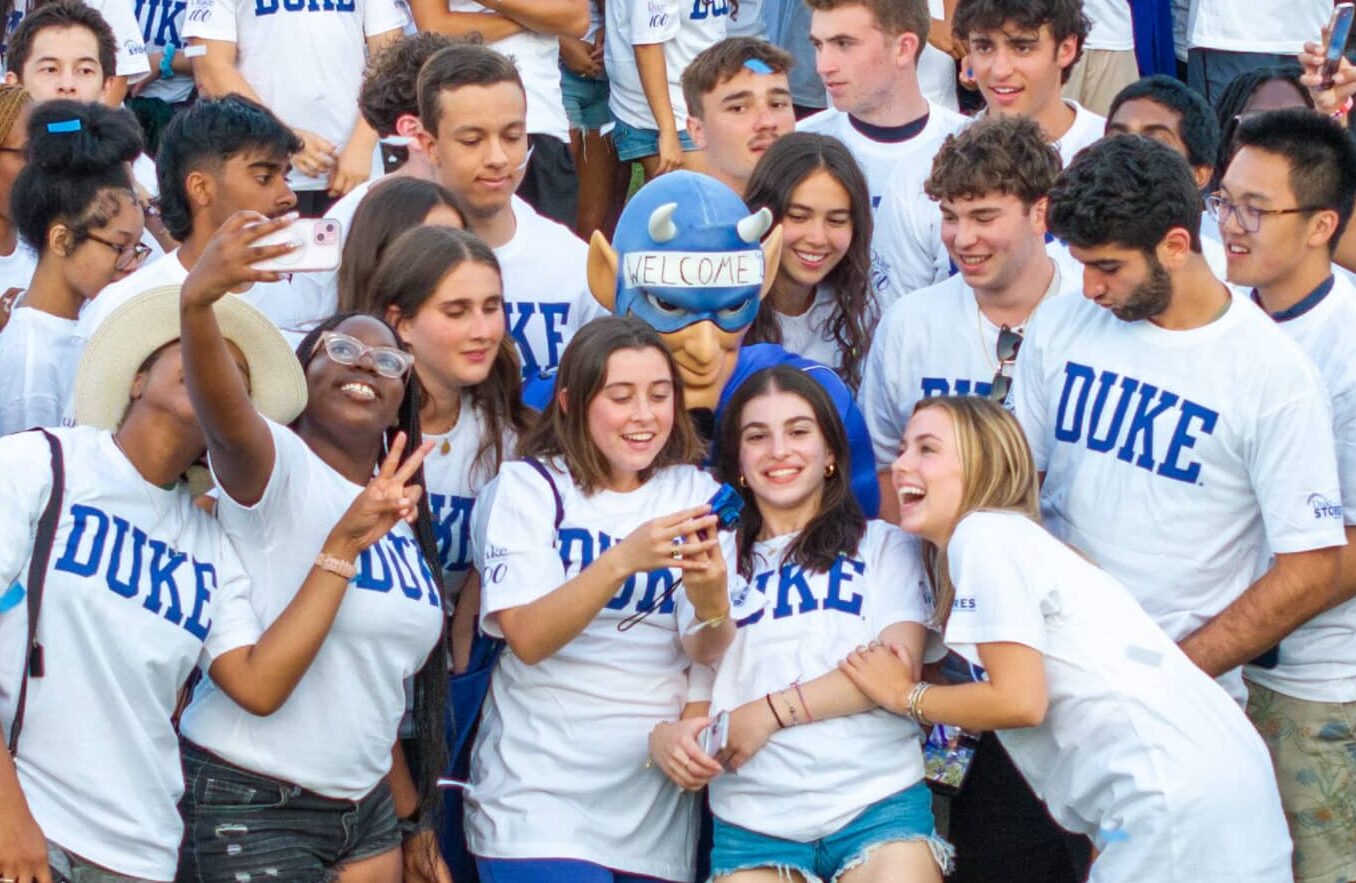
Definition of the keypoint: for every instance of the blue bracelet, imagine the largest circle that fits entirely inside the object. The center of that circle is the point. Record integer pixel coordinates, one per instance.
(167, 61)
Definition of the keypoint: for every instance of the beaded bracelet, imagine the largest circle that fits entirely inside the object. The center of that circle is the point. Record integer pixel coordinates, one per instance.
(791, 708)
(913, 705)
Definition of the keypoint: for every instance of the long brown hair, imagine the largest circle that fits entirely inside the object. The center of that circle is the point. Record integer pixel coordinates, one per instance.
(787, 163)
(564, 432)
(997, 473)
(839, 525)
(408, 275)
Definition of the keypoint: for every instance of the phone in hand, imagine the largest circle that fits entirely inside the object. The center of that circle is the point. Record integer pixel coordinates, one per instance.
(319, 246)
(1339, 31)
(726, 504)
(717, 735)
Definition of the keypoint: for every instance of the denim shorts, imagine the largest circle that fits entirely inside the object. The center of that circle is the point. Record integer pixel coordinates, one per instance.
(67, 867)
(240, 825)
(633, 143)
(585, 100)
(898, 818)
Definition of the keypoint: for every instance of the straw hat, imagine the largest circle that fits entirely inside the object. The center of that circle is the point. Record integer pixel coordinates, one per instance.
(148, 321)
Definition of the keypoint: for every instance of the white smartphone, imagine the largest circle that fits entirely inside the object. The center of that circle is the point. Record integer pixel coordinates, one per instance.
(319, 246)
(716, 736)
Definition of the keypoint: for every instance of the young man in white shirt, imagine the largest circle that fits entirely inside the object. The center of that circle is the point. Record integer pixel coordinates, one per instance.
(473, 111)
(529, 32)
(1177, 473)
(216, 158)
(866, 52)
(961, 337)
(1226, 38)
(1283, 203)
(129, 63)
(738, 103)
(304, 61)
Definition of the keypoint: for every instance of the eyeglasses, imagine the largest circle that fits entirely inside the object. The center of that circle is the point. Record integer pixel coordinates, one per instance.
(129, 256)
(1009, 342)
(388, 361)
(1249, 217)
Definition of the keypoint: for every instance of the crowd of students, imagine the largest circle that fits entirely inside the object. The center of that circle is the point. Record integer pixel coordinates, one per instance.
(1039, 407)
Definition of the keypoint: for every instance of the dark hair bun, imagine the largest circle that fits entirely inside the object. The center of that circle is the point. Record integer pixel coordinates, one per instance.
(74, 138)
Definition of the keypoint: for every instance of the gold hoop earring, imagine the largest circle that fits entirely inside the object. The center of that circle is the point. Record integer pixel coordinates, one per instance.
(830, 470)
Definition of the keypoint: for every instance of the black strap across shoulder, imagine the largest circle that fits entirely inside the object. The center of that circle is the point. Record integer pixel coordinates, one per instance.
(37, 573)
(555, 492)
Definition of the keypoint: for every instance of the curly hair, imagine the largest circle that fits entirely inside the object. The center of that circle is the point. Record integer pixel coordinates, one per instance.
(995, 155)
(390, 87)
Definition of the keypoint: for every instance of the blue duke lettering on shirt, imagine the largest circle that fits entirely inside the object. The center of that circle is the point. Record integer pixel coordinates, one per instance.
(396, 564)
(176, 587)
(160, 20)
(581, 546)
(549, 316)
(452, 529)
(709, 9)
(795, 594)
(1118, 415)
(940, 386)
(270, 7)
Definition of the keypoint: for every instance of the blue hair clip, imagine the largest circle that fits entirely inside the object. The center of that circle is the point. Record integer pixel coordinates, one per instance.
(63, 127)
(758, 66)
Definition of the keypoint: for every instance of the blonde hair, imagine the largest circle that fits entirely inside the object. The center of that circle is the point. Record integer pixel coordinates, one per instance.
(997, 473)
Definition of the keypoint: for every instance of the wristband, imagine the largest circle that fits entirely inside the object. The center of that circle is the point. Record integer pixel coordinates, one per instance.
(1341, 112)
(167, 61)
(336, 566)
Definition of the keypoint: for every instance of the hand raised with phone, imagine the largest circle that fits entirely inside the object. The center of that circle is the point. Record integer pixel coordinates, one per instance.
(228, 261)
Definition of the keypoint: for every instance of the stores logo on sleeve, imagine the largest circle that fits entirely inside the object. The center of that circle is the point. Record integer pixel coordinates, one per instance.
(1324, 508)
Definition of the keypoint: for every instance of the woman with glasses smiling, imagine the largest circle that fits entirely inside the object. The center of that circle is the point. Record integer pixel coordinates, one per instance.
(73, 205)
(316, 790)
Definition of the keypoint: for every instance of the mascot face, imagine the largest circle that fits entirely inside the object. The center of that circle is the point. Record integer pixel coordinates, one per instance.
(687, 259)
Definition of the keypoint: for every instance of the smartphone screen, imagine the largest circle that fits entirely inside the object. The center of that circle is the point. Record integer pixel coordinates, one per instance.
(1339, 31)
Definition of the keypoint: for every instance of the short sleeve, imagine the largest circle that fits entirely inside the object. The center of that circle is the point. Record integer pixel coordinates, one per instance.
(516, 544)
(654, 21)
(234, 621)
(1344, 438)
(995, 600)
(291, 459)
(899, 592)
(212, 20)
(131, 57)
(879, 394)
(1028, 398)
(380, 16)
(1300, 498)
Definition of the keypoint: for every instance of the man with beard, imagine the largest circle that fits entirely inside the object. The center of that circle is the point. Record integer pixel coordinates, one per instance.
(1181, 433)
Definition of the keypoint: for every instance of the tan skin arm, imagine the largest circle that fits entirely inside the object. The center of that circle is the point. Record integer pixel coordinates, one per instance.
(433, 15)
(654, 82)
(23, 849)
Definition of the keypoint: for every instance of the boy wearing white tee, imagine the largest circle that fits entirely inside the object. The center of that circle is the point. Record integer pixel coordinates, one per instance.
(991, 181)
(527, 31)
(129, 51)
(1177, 473)
(304, 61)
(1305, 703)
(472, 108)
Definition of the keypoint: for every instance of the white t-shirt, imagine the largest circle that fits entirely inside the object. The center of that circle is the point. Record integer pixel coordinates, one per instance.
(809, 334)
(285, 304)
(1174, 472)
(1088, 128)
(1137, 742)
(937, 77)
(162, 22)
(305, 63)
(813, 622)
(546, 292)
(684, 27)
(140, 587)
(935, 342)
(38, 358)
(1279, 26)
(1318, 659)
(17, 267)
(558, 768)
(1112, 26)
(454, 480)
(335, 732)
(537, 57)
(130, 59)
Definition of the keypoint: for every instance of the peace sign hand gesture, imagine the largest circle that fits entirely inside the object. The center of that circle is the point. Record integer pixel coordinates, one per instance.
(387, 499)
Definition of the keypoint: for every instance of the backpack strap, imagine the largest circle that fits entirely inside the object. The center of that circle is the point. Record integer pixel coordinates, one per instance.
(555, 492)
(37, 573)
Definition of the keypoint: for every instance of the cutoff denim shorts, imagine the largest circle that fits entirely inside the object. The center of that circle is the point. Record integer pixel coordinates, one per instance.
(633, 143)
(585, 100)
(900, 817)
(240, 825)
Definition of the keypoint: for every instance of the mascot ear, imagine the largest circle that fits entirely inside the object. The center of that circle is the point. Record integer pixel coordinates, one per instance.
(772, 256)
(603, 271)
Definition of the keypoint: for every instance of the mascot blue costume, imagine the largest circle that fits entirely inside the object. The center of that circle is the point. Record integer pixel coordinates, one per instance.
(690, 260)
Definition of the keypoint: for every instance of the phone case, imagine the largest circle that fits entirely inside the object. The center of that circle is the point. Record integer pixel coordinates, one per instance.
(321, 245)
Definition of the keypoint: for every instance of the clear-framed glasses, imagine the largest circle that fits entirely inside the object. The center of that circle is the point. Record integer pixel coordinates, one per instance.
(129, 256)
(1009, 342)
(1249, 217)
(388, 361)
